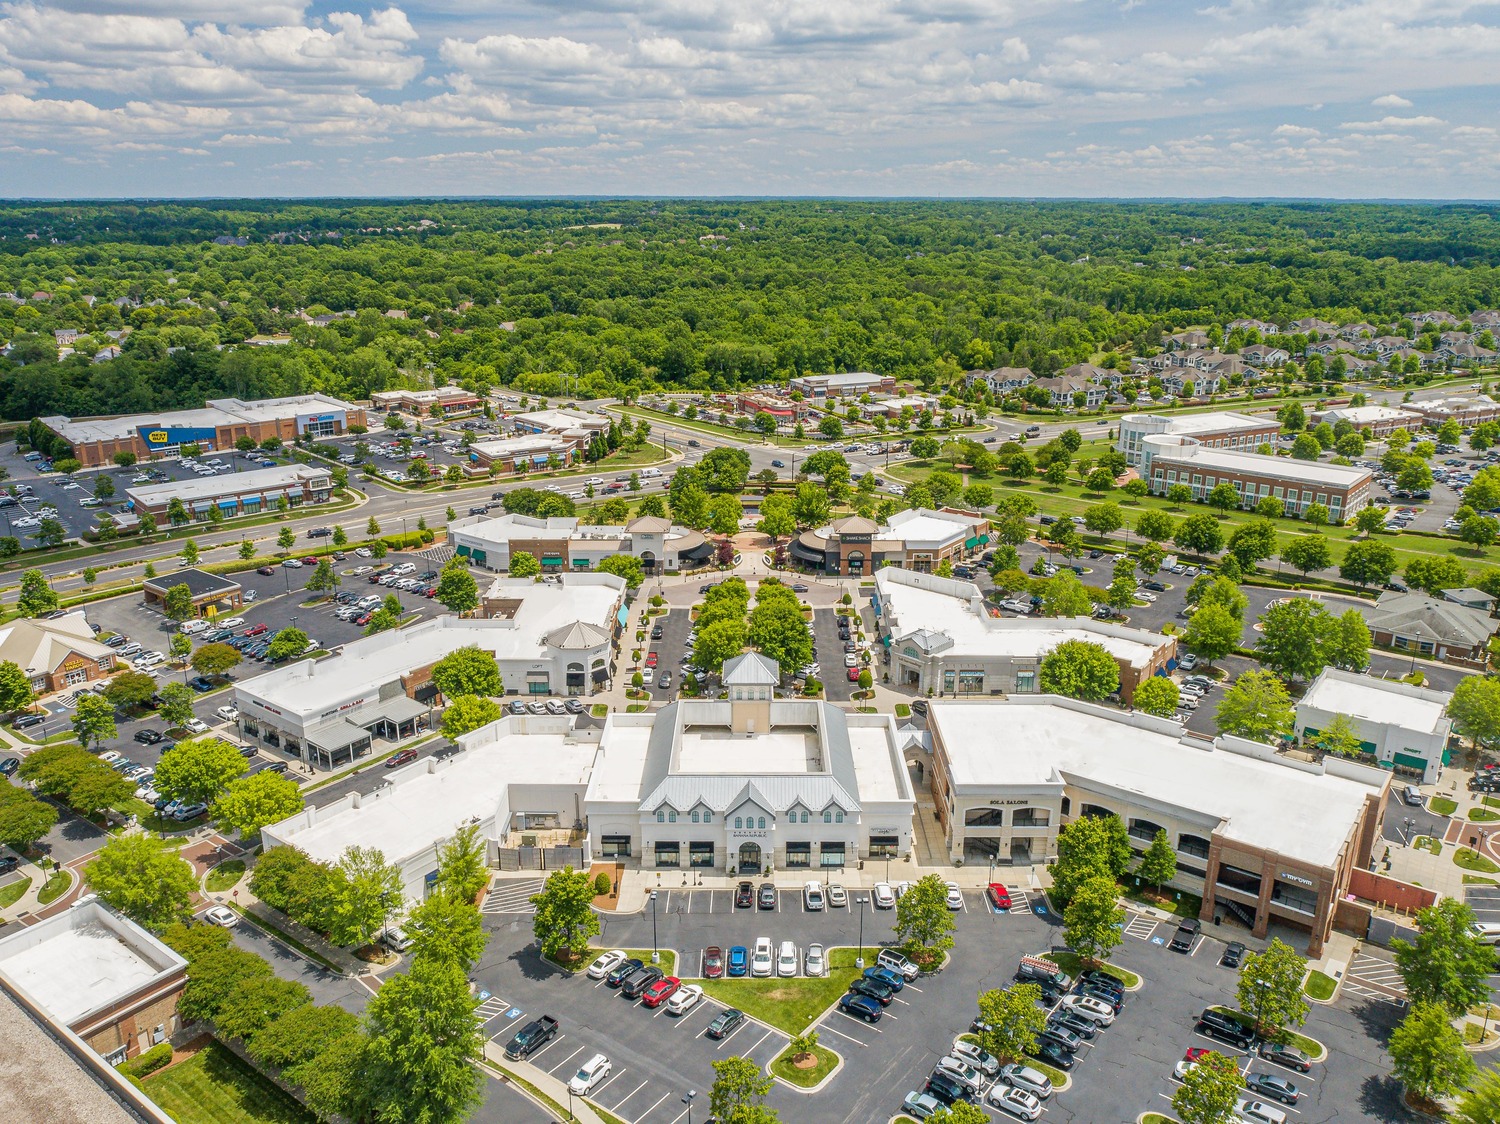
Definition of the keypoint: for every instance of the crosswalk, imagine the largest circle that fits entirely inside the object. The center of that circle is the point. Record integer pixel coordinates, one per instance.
(1020, 900)
(1374, 977)
(491, 1008)
(512, 896)
(1141, 926)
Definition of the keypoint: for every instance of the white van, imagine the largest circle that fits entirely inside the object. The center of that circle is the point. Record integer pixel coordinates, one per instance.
(193, 627)
(650, 473)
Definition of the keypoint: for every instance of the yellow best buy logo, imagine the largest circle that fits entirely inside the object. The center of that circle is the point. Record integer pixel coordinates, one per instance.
(157, 437)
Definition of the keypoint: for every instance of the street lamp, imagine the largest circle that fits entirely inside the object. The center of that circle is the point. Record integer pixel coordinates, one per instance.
(688, 1100)
(655, 951)
(860, 960)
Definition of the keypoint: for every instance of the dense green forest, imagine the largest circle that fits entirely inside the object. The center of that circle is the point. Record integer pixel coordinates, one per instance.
(643, 294)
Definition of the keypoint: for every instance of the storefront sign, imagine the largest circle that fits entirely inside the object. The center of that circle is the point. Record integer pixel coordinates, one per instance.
(994, 803)
(161, 438)
(885, 831)
(1297, 878)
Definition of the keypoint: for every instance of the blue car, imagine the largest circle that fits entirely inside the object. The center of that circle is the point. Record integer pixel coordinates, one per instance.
(861, 1007)
(893, 980)
(739, 961)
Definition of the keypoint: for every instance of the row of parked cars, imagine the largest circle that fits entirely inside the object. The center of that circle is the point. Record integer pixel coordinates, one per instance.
(1214, 1023)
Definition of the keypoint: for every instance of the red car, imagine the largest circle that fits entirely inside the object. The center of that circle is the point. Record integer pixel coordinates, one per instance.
(650, 659)
(713, 962)
(309, 559)
(267, 570)
(404, 757)
(999, 896)
(657, 993)
(257, 629)
(853, 674)
(1194, 1053)
(363, 620)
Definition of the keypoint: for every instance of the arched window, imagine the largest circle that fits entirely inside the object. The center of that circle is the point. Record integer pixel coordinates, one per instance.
(838, 817)
(1067, 805)
(672, 816)
(804, 817)
(827, 816)
(762, 821)
(738, 823)
(695, 815)
(708, 817)
(661, 817)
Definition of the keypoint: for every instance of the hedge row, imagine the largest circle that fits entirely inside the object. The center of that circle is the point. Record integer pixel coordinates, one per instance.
(143, 1065)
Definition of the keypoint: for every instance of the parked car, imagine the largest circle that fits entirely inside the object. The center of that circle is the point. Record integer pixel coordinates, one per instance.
(861, 1007)
(616, 975)
(605, 964)
(881, 993)
(838, 898)
(760, 959)
(1096, 1010)
(812, 897)
(726, 1022)
(999, 897)
(739, 961)
(946, 1089)
(1017, 1102)
(1216, 1024)
(659, 991)
(713, 962)
(1186, 935)
(1234, 952)
(744, 895)
(222, 916)
(684, 999)
(896, 962)
(635, 984)
(814, 962)
(766, 896)
(921, 1105)
(1287, 1056)
(786, 959)
(400, 757)
(884, 896)
(1272, 1085)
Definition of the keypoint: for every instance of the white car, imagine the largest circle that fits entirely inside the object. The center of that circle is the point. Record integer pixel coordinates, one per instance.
(815, 963)
(1180, 1072)
(223, 916)
(606, 964)
(364, 552)
(1026, 1079)
(786, 959)
(837, 897)
(109, 756)
(589, 1074)
(1145, 595)
(1090, 1008)
(683, 999)
(885, 897)
(971, 1054)
(760, 959)
(1017, 1102)
(648, 676)
(812, 897)
(360, 571)
(850, 659)
(955, 896)
(232, 622)
(196, 725)
(228, 713)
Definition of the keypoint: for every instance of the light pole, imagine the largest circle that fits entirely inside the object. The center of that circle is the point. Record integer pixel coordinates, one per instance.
(655, 951)
(570, 1103)
(859, 961)
(688, 1100)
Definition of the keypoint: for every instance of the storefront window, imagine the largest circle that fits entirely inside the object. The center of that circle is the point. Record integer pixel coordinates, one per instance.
(701, 854)
(1299, 898)
(615, 846)
(831, 854)
(1030, 817)
(799, 854)
(668, 854)
(1235, 878)
(883, 845)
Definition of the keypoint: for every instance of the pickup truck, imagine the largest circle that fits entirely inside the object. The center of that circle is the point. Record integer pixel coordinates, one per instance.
(530, 1037)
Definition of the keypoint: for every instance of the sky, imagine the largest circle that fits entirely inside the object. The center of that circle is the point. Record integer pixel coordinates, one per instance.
(1079, 98)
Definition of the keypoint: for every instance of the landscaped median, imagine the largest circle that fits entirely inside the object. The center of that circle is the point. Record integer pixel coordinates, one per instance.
(1072, 964)
(808, 1078)
(1320, 986)
(667, 961)
(791, 1003)
(1314, 1049)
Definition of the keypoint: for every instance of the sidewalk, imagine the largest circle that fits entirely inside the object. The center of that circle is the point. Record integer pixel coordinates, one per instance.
(548, 1085)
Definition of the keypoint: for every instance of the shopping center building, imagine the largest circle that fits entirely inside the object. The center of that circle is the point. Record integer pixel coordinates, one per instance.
(564, 545)
(737, 785)
(545, 639)
(235, 493)
(919, 539)
(215, 428)
(1401, 727)
(940, 637)
(1263, 838)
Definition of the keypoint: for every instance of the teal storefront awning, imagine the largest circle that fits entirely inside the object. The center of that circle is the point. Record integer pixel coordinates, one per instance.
(623, 616)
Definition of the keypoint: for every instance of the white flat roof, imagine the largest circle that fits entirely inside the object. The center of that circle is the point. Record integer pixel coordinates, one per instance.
(405, 820)
(1215, 421)
(1374, 700)
(717, 750)
(1042, 740)
(1288, 468)
(227, 484)
(1364, 415)
(311, 686)
(873, 768)
(973, 634)
(77, 970)
(216, 412)
(621, 766)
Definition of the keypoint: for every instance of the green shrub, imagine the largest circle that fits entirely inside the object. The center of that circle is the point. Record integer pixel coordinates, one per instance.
(142, 1065)
(602, 884)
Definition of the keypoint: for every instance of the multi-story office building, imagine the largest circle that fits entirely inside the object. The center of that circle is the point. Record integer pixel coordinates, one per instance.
(1217, 430)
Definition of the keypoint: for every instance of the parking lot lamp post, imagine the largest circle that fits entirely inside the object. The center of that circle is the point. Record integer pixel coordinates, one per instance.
(385, 916)
(688, 1100)
(860, 960)
(655, 951)
(570, 1104)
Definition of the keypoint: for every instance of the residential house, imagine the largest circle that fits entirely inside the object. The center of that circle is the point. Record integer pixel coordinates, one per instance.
(1458, 353)
(1263, 327)
(1001, 380)
(1311, 326)
(65, 337)
(1329, 348)
(1389, 345)
(1186, 341)
(1099, 376)
(1202, 383)
(1264, 355)
(1062, 389)
(1435, 316)
(1355, 332)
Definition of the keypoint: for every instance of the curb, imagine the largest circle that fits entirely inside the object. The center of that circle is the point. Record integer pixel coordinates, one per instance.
(1338, 986)
(810, 1089)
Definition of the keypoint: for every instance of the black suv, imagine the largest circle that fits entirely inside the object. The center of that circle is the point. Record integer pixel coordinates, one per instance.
(1216, 1024)
(639, 980)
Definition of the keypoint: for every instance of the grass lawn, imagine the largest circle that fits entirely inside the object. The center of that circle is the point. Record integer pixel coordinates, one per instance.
(667, 963)
(1483, 815)
(789, 1004)
(1313, 1050)
(599, 710)
(1442, 806)
(1073, 499)
(1070, 963)
(783, 1068)
(55, 888)
(1319, 985)
(1479, 880)
(1180, 902)
(226, 875)
(215, 1087)
(1428, 843)
(12, 893)
(1157, 1118)
(903, 711)
(1473, 860)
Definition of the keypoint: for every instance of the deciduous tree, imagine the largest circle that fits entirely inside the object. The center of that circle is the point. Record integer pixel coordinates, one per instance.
(1368, 563)
(468, 712)
(215, 659)
(523, 565)
(468, 671)
(1013, 1018)
(370, 891)
(1270, 987)
(248, 804)
(1447, 964)
(1292, 639)
(739, 1091)
(144, 879)
(924, 923)
(565, 917)
(93, 720)
(1475, 709)
(36, 597)
(1210, 1090)
(1093, 920)
(196, 771)
(1256, 707)
(1427, 1054)
(1080, 669)
(1159, 863)
(1158, 695)
(1089, 847)
(457, 589)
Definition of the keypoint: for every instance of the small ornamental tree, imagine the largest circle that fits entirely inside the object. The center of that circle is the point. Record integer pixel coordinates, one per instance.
(565, 917)
(1159, 863)
(1427, 1054)
(1093, 920)
(1210, 1090)
(1270, 987)
(924, 923)
(1080, 669)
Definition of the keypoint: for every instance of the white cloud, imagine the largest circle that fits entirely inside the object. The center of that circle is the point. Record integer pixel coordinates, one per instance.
(1014, 50)
(1296, 131)
(1391, 101)
(1396, 123)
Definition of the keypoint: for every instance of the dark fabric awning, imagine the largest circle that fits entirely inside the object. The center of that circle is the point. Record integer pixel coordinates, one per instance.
(601, 674)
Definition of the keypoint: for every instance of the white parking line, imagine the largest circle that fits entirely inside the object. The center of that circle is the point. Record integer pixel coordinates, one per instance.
(566, 1060)
(710, 901)
(853, 1018)
(628, 1095)
(842, 1035)
(607, 1080)
(648, 1112)
(758, 1041)
(545, 1048)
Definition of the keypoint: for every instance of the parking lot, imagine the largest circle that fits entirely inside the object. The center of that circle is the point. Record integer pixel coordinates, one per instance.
(1124, 1071)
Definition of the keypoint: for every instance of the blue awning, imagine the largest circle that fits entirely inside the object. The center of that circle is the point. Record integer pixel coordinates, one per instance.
(231, 504)
(623, 616)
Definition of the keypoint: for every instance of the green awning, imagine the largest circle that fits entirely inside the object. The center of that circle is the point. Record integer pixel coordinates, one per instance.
(552, 561)
(1407, 761)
